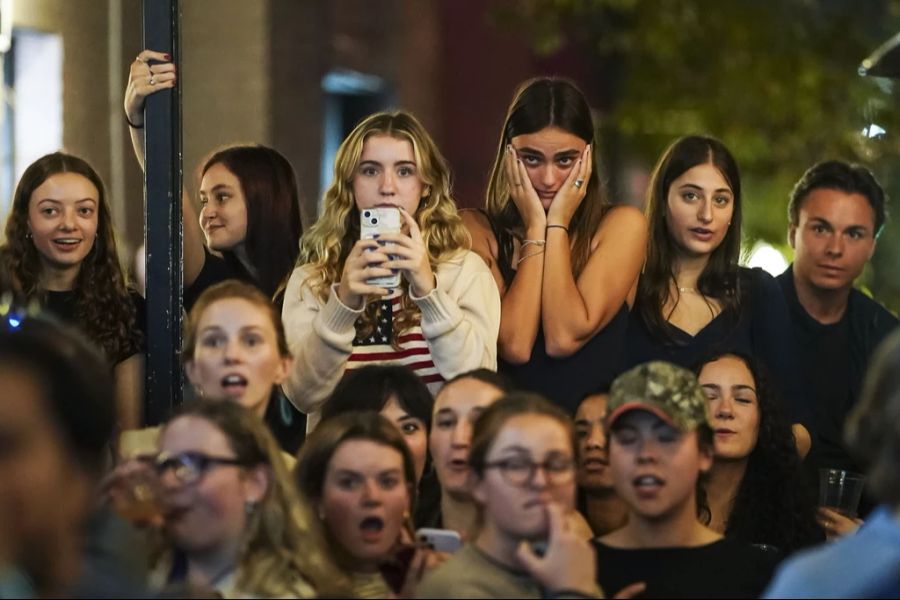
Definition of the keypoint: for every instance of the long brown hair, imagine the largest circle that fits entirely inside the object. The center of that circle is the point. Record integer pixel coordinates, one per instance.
(537, 104)
(103, 307)
(273, 210)
(719, 278)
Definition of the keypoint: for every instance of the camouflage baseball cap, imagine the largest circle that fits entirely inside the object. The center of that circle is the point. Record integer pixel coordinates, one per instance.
(669, 392)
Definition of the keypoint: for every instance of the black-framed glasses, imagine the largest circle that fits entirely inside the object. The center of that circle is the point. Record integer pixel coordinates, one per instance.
(520, 471)
(189, 467)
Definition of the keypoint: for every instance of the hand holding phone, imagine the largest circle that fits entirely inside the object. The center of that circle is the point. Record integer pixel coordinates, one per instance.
(375, 222)
(442, 540)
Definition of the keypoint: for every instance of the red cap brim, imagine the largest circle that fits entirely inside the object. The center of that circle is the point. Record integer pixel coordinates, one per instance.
(638, 405)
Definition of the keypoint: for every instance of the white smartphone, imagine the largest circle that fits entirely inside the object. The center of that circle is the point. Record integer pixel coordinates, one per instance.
(372, 223)
(442, 540)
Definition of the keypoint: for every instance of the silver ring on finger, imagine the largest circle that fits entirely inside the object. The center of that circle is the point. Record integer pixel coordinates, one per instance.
(578, 183)
(140, 59)
(152, 80)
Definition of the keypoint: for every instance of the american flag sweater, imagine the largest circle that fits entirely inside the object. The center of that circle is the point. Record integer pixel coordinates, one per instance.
(459, 323)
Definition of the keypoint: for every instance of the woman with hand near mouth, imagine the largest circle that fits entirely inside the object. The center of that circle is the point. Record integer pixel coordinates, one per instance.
(249, 224)
(359, 476)
(232, 518)
(693, 298)
(660, 443)
(60, 252)
(754, 489)
(522, 462)
(565, 260)
(598, 501)
(456, 408)
(440, 321)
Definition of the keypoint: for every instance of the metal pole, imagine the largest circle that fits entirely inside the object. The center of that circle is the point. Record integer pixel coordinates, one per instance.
(162, 219)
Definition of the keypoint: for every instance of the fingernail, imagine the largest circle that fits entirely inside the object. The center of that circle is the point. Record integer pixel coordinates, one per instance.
(395, 271)
(375, 235)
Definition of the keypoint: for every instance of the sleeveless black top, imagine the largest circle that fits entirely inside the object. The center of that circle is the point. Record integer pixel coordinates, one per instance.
(565, 381)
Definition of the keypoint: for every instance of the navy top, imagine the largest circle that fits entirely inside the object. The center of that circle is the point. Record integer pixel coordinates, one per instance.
(761, 331)
(834, 361)
(566, 381)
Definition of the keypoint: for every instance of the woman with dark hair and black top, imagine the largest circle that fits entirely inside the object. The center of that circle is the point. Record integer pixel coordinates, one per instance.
(249, 224)
(61, 253)
(693, 298)
(565, 260)
(402, 398)
(754, 490)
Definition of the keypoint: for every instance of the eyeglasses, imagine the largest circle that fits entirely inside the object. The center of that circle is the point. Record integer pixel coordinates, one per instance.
(520, 471)
(189, 467)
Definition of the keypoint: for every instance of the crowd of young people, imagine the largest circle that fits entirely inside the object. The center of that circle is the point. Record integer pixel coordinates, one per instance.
(584, 397)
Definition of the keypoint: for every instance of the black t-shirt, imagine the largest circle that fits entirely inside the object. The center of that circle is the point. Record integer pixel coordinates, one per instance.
(833, 362)
(722, 569)
(62, 304)
(215, 270)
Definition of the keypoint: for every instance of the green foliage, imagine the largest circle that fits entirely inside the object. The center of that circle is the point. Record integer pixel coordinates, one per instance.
(776, 80)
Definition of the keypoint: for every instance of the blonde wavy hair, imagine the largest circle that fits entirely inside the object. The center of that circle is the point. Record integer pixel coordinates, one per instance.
(326, 245)
(284, 550)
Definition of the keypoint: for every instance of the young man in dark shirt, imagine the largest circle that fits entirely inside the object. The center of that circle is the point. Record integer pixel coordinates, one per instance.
(836, 212)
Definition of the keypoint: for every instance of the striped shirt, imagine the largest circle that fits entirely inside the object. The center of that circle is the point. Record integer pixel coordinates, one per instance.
(376, 348)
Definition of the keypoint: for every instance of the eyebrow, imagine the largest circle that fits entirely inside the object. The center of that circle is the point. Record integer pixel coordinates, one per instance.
(694, 186)
(445, 411)
(582, 422)
(218, 328)
(408, 417)
(217, 187)
(410, 163)
(561, 154)
(55, 201)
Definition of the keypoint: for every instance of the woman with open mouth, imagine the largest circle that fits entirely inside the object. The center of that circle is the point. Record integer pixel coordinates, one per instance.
(522, 461)
(597, 498)
(755, 490)
(60, 252)
(692, 295)
(235, 351)
(660, 444)
(456, 408)
(357, 472)
(232, 520)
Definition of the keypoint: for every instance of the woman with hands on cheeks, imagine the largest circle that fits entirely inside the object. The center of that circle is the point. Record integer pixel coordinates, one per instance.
(522, 461)
(440, 321)
(565, 260)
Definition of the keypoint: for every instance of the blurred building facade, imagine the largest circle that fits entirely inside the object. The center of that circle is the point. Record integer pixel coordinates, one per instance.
(295, 75)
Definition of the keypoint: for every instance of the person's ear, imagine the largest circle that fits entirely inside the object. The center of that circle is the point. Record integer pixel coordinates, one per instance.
(285, 364)
(190, 369)
(256, 484)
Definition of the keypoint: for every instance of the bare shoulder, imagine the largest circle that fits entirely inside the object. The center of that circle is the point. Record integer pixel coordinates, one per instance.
(483, 242)
(476, 221)
(622, 223)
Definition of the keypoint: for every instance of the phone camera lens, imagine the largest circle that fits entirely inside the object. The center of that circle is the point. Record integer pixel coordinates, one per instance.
(374, 221)
(367, 214)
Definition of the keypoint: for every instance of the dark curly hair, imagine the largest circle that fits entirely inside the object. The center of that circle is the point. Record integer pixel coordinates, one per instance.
(772, 505)
(103, 308)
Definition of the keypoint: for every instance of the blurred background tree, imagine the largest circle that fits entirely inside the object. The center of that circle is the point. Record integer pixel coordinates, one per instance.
(776, 80)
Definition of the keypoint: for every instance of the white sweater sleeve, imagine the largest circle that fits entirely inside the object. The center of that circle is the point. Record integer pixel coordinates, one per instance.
(320, 336)
(461, 316)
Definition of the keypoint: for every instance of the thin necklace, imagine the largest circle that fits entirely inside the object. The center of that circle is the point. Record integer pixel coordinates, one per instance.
(686, 290)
